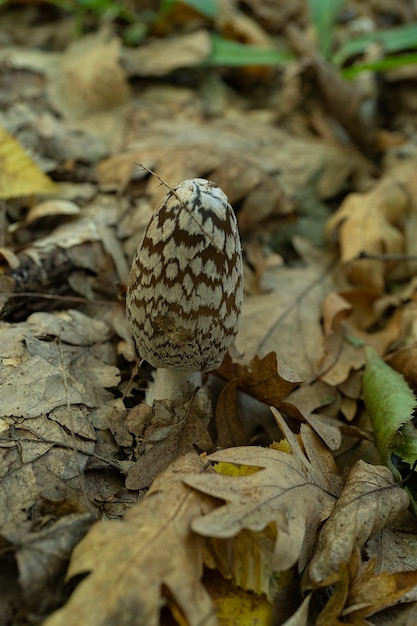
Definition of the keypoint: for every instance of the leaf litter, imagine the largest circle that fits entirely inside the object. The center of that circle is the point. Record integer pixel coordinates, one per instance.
(113, 512)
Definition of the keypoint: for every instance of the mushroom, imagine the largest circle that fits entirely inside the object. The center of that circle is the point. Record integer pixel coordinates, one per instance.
(184, 295)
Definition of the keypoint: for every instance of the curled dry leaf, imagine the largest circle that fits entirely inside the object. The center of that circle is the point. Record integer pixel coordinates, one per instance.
(295, 491)
(348, 318)
(127, 564)
(370, 223)
(369, 501)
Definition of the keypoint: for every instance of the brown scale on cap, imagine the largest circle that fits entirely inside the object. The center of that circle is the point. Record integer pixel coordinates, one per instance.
(184, 295)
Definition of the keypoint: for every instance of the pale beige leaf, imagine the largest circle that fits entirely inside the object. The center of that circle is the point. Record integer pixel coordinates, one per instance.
(132, 567)
(89, 79)
(369, 501)
(370, 223)
(289, 490)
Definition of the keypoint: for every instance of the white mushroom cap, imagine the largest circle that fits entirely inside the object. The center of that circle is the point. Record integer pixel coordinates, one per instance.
(184, 295)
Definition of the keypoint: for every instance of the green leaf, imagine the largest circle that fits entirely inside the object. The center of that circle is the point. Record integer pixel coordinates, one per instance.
(323, 15)
(391, 40)
(381, 65)
(235, 54)
(390, 404)
(208, 8)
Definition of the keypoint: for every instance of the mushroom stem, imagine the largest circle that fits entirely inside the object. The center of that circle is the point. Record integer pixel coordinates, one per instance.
(169, 383)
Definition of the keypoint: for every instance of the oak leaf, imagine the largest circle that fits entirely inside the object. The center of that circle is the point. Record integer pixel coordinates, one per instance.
(369, 501)
(295, 491)
(129, 566)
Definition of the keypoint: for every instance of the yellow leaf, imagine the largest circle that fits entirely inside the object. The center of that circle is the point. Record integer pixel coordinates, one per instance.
(19, 175)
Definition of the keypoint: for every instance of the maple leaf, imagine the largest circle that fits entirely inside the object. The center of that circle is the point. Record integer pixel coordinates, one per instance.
(129, 564)
(296, 491)
(369, 501)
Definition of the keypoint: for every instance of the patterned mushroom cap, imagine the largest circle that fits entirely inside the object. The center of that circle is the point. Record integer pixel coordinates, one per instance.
(184, 295)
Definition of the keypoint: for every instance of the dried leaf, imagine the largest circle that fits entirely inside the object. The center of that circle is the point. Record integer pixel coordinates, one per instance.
(373, 592)
(395, 551)
(234, 605)
(20, 176)
(349, 318)
(229, 428)
(290, 490)
(176, 428)
(89, 79)
(371, 223)
(42, 555)
(128, 564)
(369, 501)
(267, 379)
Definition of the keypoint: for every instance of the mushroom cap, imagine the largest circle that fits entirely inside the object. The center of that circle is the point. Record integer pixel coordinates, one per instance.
(185, 289)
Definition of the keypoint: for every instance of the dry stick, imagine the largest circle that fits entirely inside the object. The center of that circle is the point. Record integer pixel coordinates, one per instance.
(182, 204)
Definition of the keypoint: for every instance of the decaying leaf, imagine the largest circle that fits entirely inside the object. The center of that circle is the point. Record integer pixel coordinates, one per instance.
(394, 551)
(42, 555)
(369, 501)
(134, 567)
(349, 319)
(175, 428)
(357, 591)
(267, 379)
(293, 491)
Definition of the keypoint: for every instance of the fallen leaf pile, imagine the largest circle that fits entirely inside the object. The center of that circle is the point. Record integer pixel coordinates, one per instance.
(283, 490)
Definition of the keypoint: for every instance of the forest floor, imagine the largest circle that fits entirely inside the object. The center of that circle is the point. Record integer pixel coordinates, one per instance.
(282, 491)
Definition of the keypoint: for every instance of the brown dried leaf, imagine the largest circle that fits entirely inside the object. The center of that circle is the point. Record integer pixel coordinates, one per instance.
(133, 566)
(404, 361)
(372, 592)
(176, 428)
(42, 555)
(347, 316)
(369, 501)
(266, 379)
(229, 428)
(395, 551)
(294, 491)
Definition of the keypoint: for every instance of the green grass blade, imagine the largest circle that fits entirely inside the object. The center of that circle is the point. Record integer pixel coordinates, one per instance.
(391, 40)
(323, 16)
(235, 54)
(382, 65)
